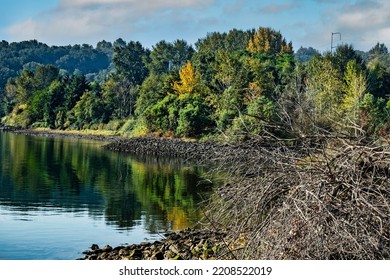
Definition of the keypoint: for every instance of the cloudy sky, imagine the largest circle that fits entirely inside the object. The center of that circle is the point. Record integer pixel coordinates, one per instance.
(307, 23)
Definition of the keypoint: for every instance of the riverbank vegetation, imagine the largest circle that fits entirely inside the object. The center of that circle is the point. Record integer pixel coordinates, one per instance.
(313, 183)
(237, 84)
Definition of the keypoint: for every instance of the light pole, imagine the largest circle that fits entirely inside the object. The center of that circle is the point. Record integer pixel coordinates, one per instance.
(331, 40)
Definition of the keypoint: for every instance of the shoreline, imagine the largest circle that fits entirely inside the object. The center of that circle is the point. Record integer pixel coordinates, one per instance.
(207, 152)
(187, 244)
(61, 133)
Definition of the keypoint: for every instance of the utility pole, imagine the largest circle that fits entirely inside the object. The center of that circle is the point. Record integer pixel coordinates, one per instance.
(331, 40)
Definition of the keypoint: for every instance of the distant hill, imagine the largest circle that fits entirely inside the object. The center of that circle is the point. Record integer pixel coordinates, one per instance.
(85, 58)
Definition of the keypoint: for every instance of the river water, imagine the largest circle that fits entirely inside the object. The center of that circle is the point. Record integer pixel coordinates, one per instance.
(60, 195)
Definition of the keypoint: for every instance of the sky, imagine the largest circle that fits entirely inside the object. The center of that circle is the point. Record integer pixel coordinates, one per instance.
(307, 23)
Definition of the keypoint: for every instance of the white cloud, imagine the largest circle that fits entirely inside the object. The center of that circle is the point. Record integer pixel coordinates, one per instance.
(365, 23)
(93, 20)
(376, 14)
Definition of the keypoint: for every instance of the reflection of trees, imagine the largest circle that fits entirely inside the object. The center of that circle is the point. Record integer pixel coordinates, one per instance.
(163, 193)
(168, 187)
(40, 170)
(73, 175)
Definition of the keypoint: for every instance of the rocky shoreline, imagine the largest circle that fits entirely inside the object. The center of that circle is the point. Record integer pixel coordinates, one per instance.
(201, 152)
(164, 147)
(188, 244)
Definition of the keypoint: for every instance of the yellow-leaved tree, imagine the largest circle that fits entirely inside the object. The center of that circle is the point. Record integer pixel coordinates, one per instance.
(189, 81)
(267, 40)
(193, 111)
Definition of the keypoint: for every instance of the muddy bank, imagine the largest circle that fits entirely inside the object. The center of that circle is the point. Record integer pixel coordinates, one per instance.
(188, 244)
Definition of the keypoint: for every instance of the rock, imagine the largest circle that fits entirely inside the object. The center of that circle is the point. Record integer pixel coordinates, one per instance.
(107, 248)
(158, 256)
(174, 249)
(187, 244)
(145, 244)
(93, 257)
(174, 148)
(94, 247)
(168, 255)
(136, 254)
(124, 252)
(103, 256)
(88, 252)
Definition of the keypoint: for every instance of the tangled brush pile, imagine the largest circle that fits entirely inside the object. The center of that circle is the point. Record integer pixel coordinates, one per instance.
(327, 202)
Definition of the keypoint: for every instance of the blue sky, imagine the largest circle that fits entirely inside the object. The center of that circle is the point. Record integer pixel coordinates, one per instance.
(307, 23)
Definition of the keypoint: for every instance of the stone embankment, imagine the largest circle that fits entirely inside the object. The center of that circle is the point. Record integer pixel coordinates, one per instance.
(188, 244)
(164, 147)
(208, 151)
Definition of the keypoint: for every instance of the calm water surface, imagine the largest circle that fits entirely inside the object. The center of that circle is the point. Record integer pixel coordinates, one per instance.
(60, 195)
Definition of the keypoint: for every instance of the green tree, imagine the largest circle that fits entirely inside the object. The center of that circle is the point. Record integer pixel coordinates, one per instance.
(375, 113)
(230, 71)
(260, 113)
(194, 119)
(305, 54)
(129, 62)
(163, 116)
(44, 75)
(343, 54)
(152, 91)
(166, 57)
(230, 84)
(130, 72)
(378, 81)
(111, 99)
(355, 88)
(73, 88)
(24, 86)
(207, 48)
(377, 51)
(46, 103)
(324, 92)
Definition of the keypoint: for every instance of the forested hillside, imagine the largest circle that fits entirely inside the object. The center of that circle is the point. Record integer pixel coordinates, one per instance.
(236, 84)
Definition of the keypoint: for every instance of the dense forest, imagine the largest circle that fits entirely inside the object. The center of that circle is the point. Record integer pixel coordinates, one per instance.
(236, 84)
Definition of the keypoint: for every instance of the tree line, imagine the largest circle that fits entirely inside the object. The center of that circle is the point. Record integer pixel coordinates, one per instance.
(237, 84)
